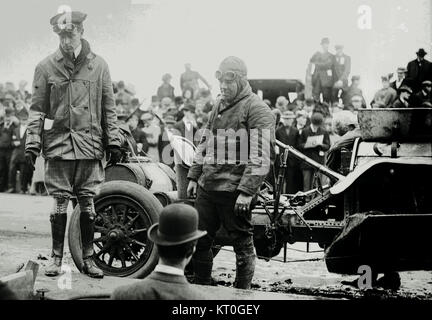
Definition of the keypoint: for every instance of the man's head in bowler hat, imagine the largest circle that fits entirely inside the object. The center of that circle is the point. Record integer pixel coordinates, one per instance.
(176, 234)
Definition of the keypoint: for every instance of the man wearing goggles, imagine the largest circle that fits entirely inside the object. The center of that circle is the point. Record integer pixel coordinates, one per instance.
(224, 190)
(72, 123)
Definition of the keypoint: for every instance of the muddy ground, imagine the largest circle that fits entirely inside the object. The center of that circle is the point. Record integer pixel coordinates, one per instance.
(25, 235)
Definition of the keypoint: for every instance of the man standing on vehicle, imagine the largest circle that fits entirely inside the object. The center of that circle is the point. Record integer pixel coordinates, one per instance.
(72, 122)
(225, 181)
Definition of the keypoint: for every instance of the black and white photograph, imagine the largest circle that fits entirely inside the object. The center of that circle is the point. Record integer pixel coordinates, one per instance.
(218, 155)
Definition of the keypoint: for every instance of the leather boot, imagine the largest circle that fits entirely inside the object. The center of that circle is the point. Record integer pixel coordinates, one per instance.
(87, 236)
(245, 267)
(54, 269)
(245, 263)
(90, 268)
(58, 229)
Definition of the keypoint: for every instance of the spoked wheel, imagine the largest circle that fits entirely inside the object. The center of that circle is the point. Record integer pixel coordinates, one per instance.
(125, 211)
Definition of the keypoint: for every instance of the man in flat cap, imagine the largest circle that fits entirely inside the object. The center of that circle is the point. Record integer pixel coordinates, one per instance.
(342, 69)
(323, 76)
(419, 70)
(353, 90)
(72, 123)
(385, 96)
(231, 162)
(404, 99)
(288, 134)
(401, 72)
(424, 95)
(175, 236)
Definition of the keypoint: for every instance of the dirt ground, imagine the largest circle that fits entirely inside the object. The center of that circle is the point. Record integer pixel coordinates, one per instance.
(25, 235)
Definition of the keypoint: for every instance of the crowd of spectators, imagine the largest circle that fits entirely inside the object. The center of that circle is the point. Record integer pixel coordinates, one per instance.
(331, 111)
(326, 115)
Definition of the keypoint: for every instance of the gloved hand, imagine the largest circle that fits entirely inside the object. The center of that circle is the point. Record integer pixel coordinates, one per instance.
(243, 204)
(114, 155)
(30, 158)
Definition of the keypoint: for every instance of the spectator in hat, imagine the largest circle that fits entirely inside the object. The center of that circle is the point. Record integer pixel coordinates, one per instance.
(316, 150)
(301, 120)
(282, 103)
(165, 105)
(419, 70)
(175, 236)
(18, 162)
(400, 78)
(155, 103)
(404, 98)
(179, 104)
(166, 89)
(152, 131)
(342, 69)
(309, 107)
(322, 77)
(122, 95)
(385, 96)
(187, 126)
(8, 125)
(138, 135)
(288, 134)
(188, 96)
(189, 80)
(22, 93)
(356, 104)
(424, 95)
(353, 90)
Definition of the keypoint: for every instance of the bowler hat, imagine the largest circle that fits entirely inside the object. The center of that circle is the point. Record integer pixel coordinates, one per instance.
(421, 52)
(178, 224)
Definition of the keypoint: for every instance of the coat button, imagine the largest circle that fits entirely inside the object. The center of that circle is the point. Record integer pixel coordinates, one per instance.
(219, 116)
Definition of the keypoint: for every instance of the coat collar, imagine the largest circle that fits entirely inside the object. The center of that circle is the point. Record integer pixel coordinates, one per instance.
(165, 277)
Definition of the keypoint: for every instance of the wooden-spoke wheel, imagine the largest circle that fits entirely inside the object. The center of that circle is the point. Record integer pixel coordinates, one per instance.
(125, 211)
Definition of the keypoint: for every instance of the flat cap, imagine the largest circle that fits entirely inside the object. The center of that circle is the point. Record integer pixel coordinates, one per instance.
(75, 17)
(65, 21)
(427, 83)
(404, 88)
